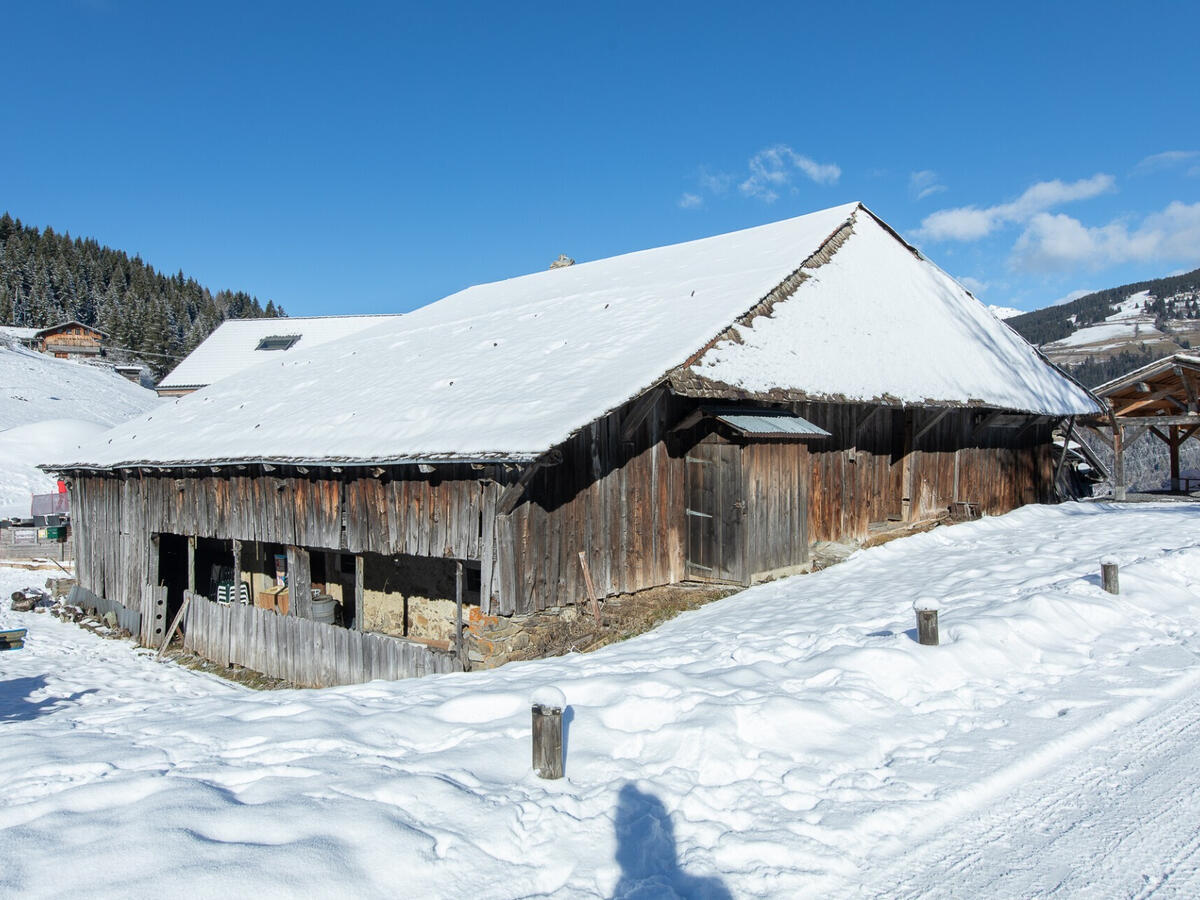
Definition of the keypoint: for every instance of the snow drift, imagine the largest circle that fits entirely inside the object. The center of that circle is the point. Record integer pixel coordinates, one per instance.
(785, 741)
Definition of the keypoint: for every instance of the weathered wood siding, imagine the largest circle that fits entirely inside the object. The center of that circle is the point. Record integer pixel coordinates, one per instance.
(302, 651)
(618, 495)
(620, 501)
(115, 516)
(776, 498)
(858, 474)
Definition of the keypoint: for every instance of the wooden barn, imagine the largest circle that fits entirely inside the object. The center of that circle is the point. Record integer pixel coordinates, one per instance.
(704, 411)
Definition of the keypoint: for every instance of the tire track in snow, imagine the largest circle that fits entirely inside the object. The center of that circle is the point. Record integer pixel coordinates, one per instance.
(1122, 819)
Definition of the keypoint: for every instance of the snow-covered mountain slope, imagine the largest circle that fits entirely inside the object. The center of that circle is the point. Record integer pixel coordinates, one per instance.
(49, 405)
(1005, 312)
(1129, 326)
(1155, 318)
(793, 740)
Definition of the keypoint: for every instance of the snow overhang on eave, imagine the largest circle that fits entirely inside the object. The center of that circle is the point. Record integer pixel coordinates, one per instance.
(295, 462)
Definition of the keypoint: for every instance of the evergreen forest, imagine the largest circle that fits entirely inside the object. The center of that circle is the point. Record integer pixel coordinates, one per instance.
(157, 319)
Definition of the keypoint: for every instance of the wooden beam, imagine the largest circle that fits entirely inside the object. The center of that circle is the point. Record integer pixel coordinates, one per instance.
(299, 580)
(1137, 435)
(1179, 404)
(1192, 405)
(508, 500)
(1146, 400)
(907, 475)
(591, 588)
(1158, 420)
(191, 563)
(1174, 444)
(183, 607)
(920, 434)
(1100, 434)
(1162, 436)
(1062, 457)
(237, 572)
(641, 408)
(985, 424)
(865, 422)
(1091, 457)
(359, 566)
(1118, 473)
(458, 604)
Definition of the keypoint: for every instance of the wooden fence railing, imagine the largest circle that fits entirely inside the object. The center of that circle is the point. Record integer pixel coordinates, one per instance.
(304, 651)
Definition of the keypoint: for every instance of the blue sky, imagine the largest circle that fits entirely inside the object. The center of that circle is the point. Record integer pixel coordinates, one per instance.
(364, 157)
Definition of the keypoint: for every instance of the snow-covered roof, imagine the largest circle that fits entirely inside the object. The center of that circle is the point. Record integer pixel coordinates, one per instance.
(511, 369)
(233, 346)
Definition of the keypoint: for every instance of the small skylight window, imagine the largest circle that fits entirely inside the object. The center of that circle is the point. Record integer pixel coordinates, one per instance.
(277, 342)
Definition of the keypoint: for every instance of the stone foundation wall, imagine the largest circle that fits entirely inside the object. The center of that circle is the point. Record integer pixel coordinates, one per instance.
(495, 640)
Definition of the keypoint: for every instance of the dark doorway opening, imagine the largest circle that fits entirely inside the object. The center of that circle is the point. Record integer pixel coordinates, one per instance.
(214, 566)
(172, 570)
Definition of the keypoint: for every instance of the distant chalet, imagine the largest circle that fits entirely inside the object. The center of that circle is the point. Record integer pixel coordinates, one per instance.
(698, 412)
(238, 344)
(67, 340)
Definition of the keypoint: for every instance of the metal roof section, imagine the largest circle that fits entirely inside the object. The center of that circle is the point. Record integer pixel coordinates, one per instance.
(767, 424)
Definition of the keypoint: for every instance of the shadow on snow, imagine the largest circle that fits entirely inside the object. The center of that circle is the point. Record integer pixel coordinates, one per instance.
(647, 854)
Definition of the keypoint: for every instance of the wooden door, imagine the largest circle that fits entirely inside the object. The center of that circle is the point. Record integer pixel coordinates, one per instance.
(715, 511)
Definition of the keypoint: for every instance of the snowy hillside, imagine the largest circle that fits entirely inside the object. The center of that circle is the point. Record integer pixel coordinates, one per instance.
(792, 740)
(48, 405)
(1129, 326)
(23, 447)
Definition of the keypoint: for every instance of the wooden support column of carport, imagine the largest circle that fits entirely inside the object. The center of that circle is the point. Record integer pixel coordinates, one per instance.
(1160, 399)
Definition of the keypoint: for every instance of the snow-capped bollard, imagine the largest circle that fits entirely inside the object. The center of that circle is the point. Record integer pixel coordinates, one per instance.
(1108, 575)
(927, 621)
(548, 706)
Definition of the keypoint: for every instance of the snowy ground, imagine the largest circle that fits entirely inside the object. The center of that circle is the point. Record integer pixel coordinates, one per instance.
(48, 406)
(792, 740)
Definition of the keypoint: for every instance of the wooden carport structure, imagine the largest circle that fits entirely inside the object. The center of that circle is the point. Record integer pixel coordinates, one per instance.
(1159, 399)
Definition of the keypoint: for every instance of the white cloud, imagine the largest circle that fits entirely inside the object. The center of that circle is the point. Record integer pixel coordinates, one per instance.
(974, 285)
(1169, 159)
(715, 182)
(1060, 242)
(970, 223)
(769, 173)
(963, 224)
(772, 170)
(924, 184)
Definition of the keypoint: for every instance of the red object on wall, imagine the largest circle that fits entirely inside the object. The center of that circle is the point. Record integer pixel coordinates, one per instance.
(62, 487)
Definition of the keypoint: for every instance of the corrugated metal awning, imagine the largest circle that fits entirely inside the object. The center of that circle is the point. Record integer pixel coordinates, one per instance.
(767, 424)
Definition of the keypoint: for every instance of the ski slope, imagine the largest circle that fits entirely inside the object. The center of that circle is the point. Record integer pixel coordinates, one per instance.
(792, 740)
